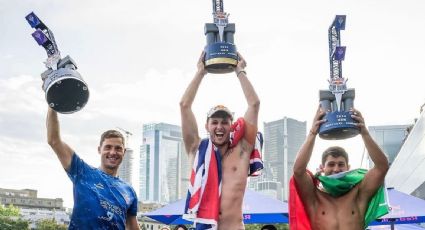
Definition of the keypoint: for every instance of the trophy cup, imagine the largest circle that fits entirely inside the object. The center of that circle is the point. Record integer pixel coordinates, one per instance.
(220, 52)
(65, 89)
(338, 100)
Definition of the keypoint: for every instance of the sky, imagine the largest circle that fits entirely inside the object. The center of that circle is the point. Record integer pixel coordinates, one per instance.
(137, 58)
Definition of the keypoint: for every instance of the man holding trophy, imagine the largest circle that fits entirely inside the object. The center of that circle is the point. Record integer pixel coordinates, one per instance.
(337, 197)
(322, 207)
(218, 203)
(101, 199)
(223, 161)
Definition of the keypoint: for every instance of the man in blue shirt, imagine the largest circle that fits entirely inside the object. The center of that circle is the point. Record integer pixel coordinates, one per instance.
(101, 199)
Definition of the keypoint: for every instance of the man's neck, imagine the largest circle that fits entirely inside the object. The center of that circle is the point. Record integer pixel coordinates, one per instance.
(223, 149)
(111, 172)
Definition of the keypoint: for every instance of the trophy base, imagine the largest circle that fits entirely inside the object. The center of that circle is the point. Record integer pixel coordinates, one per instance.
(65, 91)
(338, 126)
(220, 58)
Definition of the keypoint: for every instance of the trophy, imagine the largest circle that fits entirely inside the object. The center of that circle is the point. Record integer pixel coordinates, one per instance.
(338, 100)
(220, 52)
(65, 89)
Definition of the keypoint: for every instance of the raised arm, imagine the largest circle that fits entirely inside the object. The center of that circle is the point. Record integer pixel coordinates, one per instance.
(62, 150)
(374, 178)
(189, 126)
(251, 114)
(302, 179)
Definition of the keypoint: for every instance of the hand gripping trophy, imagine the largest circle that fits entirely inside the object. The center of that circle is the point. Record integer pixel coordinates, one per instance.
(65, 89)
(338, 100)
(220, 51)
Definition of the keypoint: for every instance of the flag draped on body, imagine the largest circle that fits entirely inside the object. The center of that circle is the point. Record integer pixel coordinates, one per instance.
(336, 185)
(203, 198)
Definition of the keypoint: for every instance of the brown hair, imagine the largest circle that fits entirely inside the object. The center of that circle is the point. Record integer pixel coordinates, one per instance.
(111, 134)
(180, 226)
(334, 151)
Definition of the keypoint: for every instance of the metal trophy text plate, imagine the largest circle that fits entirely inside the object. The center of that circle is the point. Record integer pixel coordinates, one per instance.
(339, 124)
(221, 57)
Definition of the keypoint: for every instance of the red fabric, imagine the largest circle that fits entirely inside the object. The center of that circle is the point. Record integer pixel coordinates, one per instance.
(237, 132)
(210, 201)
(203, 200)
(298, 218)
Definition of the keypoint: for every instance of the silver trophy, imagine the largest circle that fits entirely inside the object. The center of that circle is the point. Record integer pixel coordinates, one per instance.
(65, 89)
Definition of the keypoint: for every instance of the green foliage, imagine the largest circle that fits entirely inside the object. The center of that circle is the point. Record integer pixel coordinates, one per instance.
(9, 211)
(9, 219)
(50, 224)
(13, 223)
(258, 226)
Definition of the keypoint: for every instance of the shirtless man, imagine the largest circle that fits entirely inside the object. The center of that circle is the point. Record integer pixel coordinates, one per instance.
(347, 211)
(235, 161)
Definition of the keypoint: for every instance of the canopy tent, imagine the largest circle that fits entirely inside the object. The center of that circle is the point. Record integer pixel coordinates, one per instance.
(396, 227)
(404, 209)
(257, 208)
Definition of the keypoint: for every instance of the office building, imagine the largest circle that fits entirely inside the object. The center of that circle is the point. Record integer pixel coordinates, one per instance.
(125, 171)
(390, 138)
(27, 198)
(164, 167)
(282, 140)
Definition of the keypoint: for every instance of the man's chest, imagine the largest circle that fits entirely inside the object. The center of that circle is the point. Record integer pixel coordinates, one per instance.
(235, 161)
(111, 192)
(342, 205)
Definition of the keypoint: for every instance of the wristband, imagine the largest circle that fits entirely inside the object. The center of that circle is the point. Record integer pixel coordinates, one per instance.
(242, 71)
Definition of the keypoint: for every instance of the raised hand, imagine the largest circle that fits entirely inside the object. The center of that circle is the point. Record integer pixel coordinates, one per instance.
(201, 65)
(357, 116)
(241, 64)
(318, 120)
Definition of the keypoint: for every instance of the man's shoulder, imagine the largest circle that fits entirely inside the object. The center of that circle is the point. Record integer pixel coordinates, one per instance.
(79, 160)
(78, 165)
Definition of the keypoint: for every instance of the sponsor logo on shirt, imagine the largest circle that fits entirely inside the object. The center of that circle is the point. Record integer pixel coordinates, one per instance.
(99, 185)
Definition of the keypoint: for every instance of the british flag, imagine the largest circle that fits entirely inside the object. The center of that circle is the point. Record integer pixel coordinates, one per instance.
(203, 197)
(204, 187)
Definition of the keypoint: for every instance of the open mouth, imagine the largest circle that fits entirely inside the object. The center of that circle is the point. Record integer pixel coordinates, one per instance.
(219, 134)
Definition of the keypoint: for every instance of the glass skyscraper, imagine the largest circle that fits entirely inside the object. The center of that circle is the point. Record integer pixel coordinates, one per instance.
(125, 171)
(390, 138)
(163, 164)
(282, 140)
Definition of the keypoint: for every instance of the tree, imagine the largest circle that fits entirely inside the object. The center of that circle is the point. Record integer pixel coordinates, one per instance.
(9, 210)
(10, 219)
(50, 224)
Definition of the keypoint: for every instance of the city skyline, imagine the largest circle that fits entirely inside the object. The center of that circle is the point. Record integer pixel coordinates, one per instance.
(138, 57)
(162, 170)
